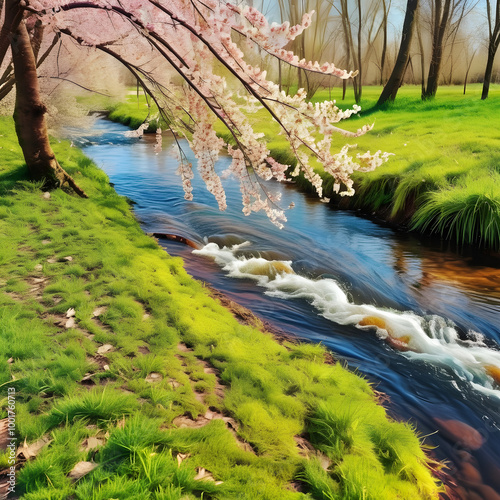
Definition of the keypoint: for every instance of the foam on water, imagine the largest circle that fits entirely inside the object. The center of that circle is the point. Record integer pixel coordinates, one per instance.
(431, 339)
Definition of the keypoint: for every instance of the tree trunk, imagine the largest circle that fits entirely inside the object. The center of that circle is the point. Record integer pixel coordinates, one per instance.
(384, 44)
(434, 70)
(442, 15)
(392, 86)
(489, 69)
(29, 117)
(11, 19)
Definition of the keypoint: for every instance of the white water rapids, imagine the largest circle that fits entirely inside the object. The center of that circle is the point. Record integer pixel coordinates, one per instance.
(431, 339)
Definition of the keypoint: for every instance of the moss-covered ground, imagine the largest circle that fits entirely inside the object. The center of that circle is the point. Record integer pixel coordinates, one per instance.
(131, 382)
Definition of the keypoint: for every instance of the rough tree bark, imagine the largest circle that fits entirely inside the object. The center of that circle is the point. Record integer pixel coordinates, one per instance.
(441, 20)
(392, 86)
(493, 42)
(29, 117)
(384, 44)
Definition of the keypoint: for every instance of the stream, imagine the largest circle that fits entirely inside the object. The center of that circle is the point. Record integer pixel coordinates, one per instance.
(431, 316)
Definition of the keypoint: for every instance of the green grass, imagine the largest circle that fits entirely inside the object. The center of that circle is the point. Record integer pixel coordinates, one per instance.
(133, 111)
(437, 144)
(128, 294)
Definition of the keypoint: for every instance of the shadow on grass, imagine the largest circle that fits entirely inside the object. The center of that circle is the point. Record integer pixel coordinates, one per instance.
(9, 179)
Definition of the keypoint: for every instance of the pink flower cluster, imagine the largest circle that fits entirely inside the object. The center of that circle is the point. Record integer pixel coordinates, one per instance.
(195, 38)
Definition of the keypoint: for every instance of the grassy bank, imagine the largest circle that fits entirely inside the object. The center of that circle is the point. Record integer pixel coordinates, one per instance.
(132, 383)
(444, 176)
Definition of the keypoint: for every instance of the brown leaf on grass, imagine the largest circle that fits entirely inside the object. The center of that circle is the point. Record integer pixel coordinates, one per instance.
(70, 312)
(203, 475)
(173, 383)
(181, 457)
(105, 348)
(70, 323)
(324, 461)
(98, 311)
(91, 443)
(27, 452)
(68, 258)
(81, 469)
(154, 377)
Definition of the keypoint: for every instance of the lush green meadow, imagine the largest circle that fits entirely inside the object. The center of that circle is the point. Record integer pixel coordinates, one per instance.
(132, 383)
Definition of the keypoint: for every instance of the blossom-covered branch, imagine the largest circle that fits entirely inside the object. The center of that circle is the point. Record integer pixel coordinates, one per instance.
(195, 37)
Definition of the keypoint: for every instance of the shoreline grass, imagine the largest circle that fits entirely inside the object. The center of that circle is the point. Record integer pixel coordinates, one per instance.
(124, 367)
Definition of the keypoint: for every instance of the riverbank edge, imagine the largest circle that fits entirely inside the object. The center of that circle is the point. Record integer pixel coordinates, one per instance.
(86, 327)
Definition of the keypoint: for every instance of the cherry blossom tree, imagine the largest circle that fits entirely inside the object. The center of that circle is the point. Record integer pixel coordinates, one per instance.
(199, 40)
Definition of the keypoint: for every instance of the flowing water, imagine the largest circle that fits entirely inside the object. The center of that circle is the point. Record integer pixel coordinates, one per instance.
(420, 322)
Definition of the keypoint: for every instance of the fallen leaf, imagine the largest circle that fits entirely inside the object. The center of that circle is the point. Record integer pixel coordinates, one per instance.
(52, 260)
(68, 258)
(91, 443)
(81, 469)
(203, 475)
(324, 461)
(105, 348)
(10, 361)
(38, 267)
(181, 457)
(27, 452)
(70, 313)
(98, 311)
(106, 368)
(70, 323)
(46, 195)
(154, 377)
(174, 384)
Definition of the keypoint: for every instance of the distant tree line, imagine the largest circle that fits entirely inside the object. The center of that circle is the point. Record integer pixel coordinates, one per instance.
(426, 42)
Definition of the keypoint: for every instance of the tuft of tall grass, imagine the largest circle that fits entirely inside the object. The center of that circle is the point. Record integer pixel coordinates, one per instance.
(99, 405)
(468, 212)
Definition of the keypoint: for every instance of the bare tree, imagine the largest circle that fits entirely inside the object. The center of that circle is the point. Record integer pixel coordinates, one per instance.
(421, 47)
(392, 86)
(446, 17)
(385, 9)
(312, 44)
(468, 59)
(493, 42)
